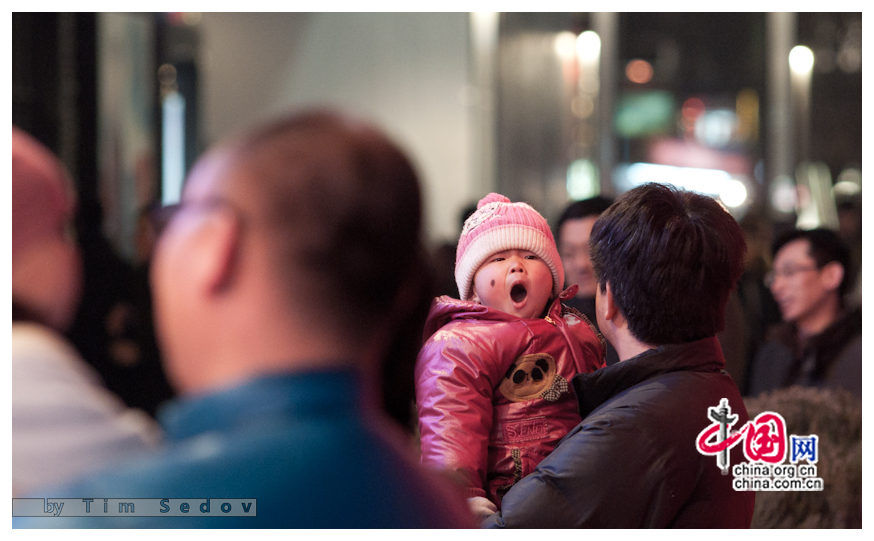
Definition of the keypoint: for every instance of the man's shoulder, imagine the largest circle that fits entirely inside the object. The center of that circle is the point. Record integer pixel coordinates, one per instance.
(35, 344)
(667, 399)
(294, 480)
(846, 330)
(273, 451)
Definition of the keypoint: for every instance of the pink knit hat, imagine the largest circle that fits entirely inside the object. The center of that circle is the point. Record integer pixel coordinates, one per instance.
(499, 225)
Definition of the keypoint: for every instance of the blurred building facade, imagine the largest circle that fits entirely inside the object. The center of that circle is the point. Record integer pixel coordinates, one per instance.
(544, 107)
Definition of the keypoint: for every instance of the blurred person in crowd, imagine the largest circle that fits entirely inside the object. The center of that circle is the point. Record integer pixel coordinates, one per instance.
(492, 378)
(835, 417)
(850, 231)
(113, 330)
(145, 235)
(134, 347)
(666, 261)
(819, 342)
(444, 258)
(572, 232)
(757, 306)
(64, 421)
(279, 279)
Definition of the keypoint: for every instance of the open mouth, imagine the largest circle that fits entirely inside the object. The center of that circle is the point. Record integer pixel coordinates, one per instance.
(518, 293)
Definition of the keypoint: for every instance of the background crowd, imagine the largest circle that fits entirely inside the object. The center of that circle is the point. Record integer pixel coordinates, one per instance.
(289, 314)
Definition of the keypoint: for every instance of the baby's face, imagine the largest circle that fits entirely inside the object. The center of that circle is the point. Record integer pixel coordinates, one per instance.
(514, 281)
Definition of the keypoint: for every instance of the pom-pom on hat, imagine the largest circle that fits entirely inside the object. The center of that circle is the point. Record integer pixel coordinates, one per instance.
(498, 225)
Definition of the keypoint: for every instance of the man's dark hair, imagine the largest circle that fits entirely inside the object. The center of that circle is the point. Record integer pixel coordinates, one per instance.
(578, 210)
(671, 257)
(824, 246)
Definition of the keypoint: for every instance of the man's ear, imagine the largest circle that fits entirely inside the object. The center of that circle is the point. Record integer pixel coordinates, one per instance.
(832, 274)
(217, 249)
(609, 308)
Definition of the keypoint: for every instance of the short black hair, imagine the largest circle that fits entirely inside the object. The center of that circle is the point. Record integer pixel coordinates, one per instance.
(578, 210)
(824, 246)
(672, 258)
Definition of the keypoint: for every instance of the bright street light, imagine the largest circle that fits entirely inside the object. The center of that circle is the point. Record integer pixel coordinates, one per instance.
(801, 59)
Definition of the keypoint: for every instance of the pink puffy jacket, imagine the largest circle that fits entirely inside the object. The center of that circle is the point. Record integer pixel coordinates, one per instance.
(493, 391)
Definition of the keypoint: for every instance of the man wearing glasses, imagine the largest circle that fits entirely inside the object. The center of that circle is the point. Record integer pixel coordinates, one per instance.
(281, 282)
(819, 342)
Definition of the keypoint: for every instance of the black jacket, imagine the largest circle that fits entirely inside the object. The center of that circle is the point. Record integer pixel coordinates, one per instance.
(833, 358)
(633, 462)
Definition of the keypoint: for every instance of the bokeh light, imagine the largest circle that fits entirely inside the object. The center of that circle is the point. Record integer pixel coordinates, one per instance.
(588, 47)
(801, 59)
(639, 71)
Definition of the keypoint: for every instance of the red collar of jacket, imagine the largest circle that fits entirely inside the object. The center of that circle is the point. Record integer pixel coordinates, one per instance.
(445, 309)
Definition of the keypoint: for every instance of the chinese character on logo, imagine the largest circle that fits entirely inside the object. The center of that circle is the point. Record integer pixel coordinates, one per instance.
(803, 447)
(766, 438)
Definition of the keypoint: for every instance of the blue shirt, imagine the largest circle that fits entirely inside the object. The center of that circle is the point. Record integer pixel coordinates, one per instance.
(301, 445)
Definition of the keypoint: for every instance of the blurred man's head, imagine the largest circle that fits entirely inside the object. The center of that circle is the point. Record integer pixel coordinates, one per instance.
(670, 259)
(311, 222)
(46, 269)
(573, 230)
(810, 277)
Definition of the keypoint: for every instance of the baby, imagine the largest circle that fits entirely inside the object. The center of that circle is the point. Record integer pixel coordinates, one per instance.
(492, 381)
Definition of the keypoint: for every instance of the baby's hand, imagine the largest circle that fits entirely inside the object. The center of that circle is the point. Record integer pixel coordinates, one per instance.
(481, 507)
